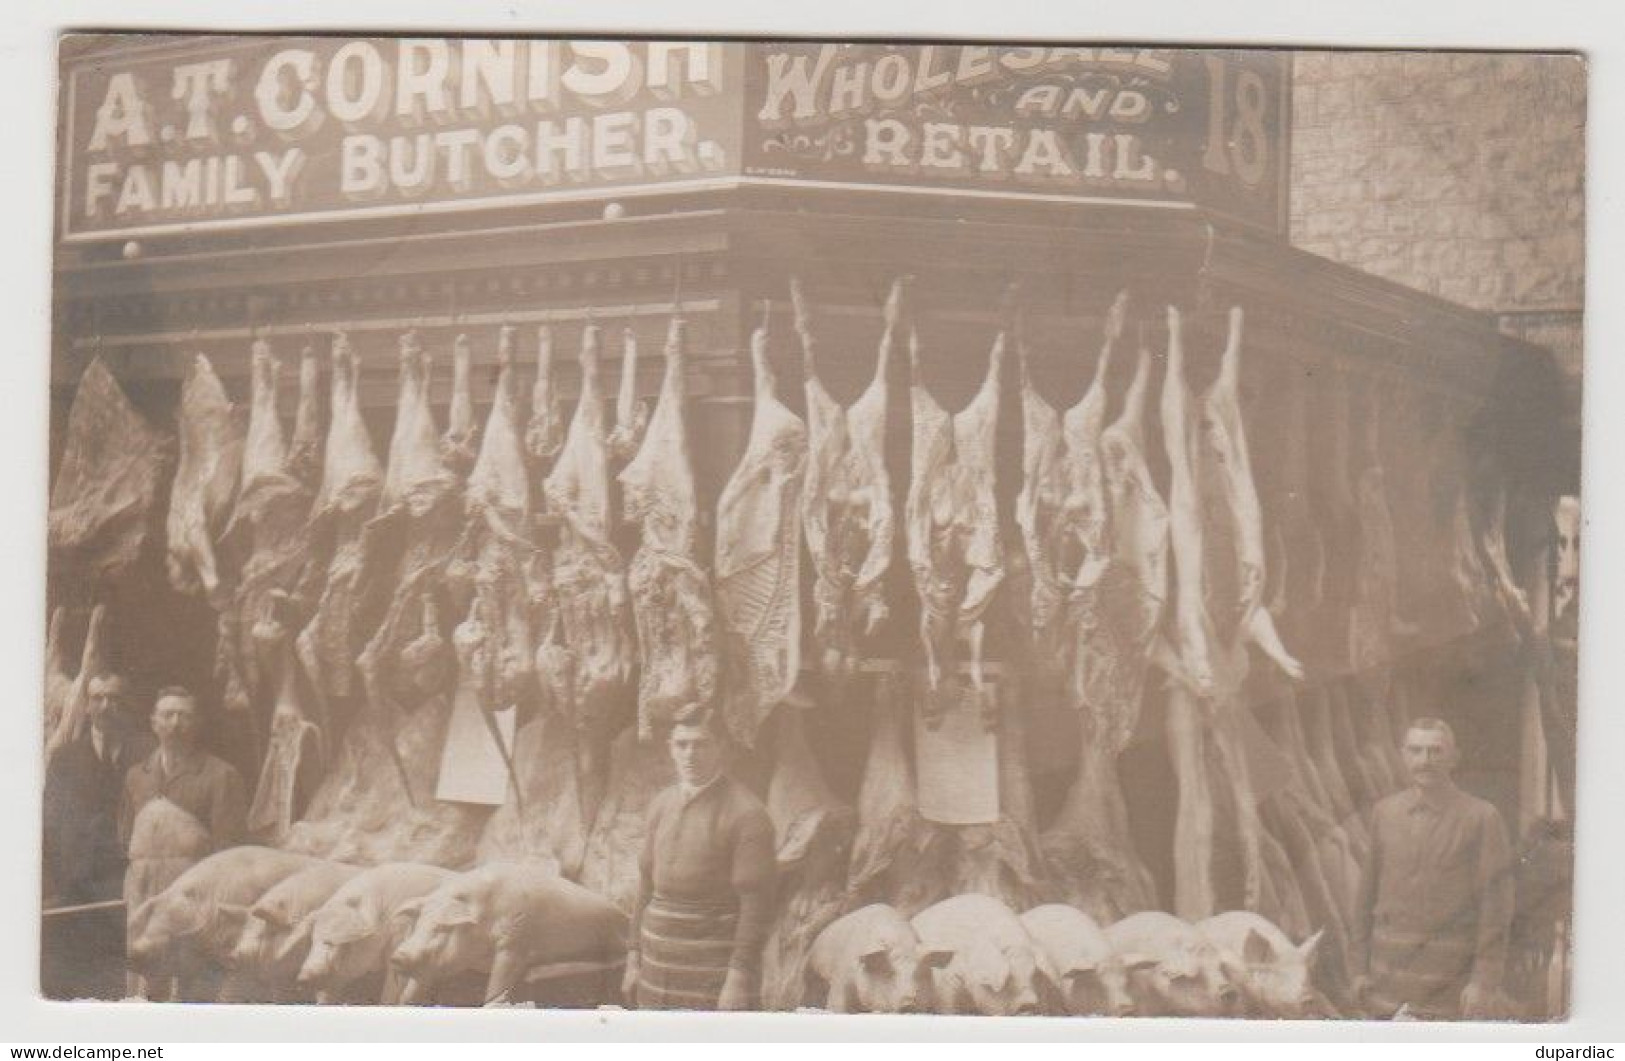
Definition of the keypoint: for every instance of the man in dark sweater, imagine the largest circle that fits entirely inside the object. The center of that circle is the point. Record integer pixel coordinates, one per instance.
(706, 891)
(84, 859)
(1436, 896)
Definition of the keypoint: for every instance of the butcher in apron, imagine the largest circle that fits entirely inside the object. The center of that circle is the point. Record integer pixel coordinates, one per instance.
(706, 884)
(179, 805)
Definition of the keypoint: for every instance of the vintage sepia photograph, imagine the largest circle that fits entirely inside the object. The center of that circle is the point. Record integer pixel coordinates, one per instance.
(1006, 529)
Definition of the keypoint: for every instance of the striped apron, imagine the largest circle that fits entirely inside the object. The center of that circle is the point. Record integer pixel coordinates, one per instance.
(683, 953)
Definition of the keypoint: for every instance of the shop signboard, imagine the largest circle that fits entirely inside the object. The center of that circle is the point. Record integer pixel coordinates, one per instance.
(205, 133)
(1159, 126)
(277, 130)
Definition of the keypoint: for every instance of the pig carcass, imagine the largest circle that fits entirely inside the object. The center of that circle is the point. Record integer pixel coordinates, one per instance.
(847, 512)
(276, 935)
(996, 968)
(813, 833)
(954, 545)
(1175, 970)
(190, 929)
(871, 961)
(671, 595)
(200, 499)
(67, 707)
(106, 489)
(355, 931)
(1275, 972)
(506, 920)
(1089, 847)
(1090, 973)
(594, 644)
(631, 415)
(758, 558)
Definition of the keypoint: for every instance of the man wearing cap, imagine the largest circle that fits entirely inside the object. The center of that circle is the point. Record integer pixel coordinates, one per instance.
(1435, 901)
(706, 883)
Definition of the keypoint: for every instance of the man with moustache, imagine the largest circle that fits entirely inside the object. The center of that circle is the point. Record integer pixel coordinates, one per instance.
(706, 883)
(1436, 895)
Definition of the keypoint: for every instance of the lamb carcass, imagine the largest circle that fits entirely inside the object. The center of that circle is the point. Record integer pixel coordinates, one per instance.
(954, 544)
(102, 502)
(594, 653)
(273, 505)
(1089, 847)
(495, 644)
(814, 832)
(671, 595)
(1061, 511)
(351, 482)
(631, 415)
(1215, 522)
(758, 565)
(200, 499)
(544, 432)
(847, 515)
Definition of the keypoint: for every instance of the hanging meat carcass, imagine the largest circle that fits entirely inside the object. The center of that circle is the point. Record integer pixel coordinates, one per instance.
(294, 760)
(408, 661)
(1089, 847)
(847, 515)
(814, 832)
(102, 502)
(495, 644)
(374, 804)
(200, 499)
(671, 596)
(758, 565)
(1215, 523)
(631, 415)
(67, 717)
(544, 431)
(352, 480)
(954, 543)
(271, 516)
(594, 651)
(1061, 511)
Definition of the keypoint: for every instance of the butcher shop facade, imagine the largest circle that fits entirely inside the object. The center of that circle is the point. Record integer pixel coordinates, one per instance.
(450, 436)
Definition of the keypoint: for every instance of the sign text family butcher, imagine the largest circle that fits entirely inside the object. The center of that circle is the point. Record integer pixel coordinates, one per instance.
(207, 133)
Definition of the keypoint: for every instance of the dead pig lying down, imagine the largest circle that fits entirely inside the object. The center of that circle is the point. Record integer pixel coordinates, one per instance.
(871, 961)
(192, 927)
(1092, 976)
(1275, 972)
(1174, 970)
(504, 920)
(995, 970)
(353, 933)
(276, 936)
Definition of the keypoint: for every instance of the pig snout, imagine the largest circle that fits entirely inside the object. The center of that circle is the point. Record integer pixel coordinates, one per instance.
(318, 964)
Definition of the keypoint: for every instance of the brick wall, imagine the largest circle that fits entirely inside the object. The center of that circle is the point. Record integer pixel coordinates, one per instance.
(1459, 174)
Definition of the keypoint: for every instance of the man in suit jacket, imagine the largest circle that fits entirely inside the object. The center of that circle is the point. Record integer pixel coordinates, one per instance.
(84, 858)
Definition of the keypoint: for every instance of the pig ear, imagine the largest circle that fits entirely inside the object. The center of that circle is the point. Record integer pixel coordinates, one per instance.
(1307, 948)
(1133, 962)
(876, 959)
(458, 912)
(406, 915)
(1256, 950)
(936, 958)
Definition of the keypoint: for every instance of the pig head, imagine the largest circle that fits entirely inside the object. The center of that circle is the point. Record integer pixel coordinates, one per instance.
(1273, 973)
(985, 978)
(354, 933)
(276, 935)
(872, 961)
(1173, 970)
(183, 930)
(1093, 979)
